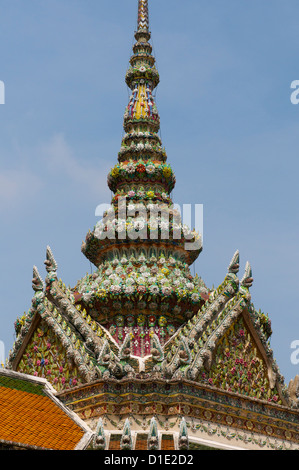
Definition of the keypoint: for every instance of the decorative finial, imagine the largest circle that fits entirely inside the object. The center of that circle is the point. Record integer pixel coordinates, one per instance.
(235, 263)
(100, 438)
(157, 351)
(126, 442)
(37, 282)
(247, 279)
(183, 436)
(153, 441)
(50, 262)
(293, 390)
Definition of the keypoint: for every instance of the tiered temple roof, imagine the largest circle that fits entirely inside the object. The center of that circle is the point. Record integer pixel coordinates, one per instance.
(141, 350)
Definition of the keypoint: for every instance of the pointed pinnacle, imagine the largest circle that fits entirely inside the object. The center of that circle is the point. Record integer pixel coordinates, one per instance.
(153, 442)
(235, 263)
(247, 279)
(126, 439)
(143, 17)
(183, 436)
(37, 282)
(100, 439)
(50, 262)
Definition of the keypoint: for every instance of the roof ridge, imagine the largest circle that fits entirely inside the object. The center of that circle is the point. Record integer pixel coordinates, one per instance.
(226, 291)
(80, 355)
(227, 315)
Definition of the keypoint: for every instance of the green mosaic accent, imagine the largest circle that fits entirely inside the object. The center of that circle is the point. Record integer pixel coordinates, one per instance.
(21, 385)
(195, 446)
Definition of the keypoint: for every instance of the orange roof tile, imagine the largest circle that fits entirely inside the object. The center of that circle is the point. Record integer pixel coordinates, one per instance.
(30, 417)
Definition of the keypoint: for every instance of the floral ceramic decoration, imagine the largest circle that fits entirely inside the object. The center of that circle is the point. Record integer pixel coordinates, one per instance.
(238, 367)
(45, 357)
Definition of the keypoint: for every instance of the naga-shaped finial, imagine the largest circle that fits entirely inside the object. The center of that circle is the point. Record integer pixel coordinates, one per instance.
(247, 279)
(183, 436)
(99, 441)
(125, 351)
(126, 442)
(50, 263)
(37, 282)
(153, 440)
(234, 265)
(293, 390)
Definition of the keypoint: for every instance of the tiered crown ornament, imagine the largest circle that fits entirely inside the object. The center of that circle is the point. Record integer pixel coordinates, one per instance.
(141, 249)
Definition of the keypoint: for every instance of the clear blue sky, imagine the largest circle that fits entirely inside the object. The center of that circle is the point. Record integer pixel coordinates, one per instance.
(227, 122)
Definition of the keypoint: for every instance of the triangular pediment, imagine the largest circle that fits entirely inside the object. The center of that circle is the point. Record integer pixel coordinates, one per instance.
(226, 345)
(239, 364)
(60, 341)
(46, 357)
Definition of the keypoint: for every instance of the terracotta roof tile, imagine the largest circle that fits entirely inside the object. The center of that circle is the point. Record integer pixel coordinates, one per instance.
(29, 417)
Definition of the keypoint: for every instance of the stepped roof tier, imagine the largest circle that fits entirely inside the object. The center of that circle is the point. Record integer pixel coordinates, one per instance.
(215, 364)
(141, 350)
(139, 248)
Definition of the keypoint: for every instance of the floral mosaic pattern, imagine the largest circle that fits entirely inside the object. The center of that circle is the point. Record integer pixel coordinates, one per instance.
(141, 171)
(145, 181)
(143, 286)
(238, 367)
(45, 357)
(148, 279)
(154, 195)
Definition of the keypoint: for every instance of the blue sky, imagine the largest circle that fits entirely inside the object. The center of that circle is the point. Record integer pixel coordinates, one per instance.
(227, 122)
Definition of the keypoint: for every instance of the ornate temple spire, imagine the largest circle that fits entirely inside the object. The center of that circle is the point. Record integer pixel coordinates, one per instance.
(139, 248)
(143, 17)
(142, 77)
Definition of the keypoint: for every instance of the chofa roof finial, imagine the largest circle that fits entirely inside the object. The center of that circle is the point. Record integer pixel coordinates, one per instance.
(50, 262)
(247, 279)
(235, 263)
(37, 282)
